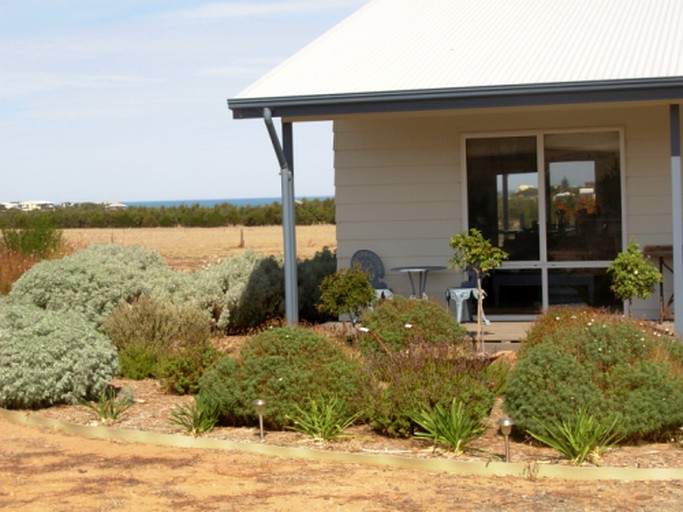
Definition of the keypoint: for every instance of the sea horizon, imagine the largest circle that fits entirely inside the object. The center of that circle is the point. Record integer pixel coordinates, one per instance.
(209, 203)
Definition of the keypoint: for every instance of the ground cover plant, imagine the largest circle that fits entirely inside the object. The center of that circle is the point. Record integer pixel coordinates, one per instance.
(614, 367)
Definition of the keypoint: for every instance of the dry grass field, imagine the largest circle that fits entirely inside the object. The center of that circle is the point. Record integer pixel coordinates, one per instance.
(189, 248)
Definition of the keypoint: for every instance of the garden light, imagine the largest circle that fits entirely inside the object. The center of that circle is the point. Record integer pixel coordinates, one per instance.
(259, 407)
(377, 338)
(505, 425)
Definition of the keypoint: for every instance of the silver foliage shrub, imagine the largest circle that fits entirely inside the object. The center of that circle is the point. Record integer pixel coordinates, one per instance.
(92, 281)
(243, 291)
(48, 358)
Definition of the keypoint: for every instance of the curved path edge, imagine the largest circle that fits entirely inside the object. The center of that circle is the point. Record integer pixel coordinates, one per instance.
(515, 469)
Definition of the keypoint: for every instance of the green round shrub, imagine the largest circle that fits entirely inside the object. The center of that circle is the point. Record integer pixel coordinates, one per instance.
(431, 324)
(610, 366)
(48, 358)
(286, 367)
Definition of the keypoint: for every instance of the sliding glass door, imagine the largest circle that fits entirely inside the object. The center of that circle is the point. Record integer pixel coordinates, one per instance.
(553, 203)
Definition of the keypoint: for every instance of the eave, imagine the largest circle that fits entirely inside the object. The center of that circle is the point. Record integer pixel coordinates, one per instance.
(330, 105)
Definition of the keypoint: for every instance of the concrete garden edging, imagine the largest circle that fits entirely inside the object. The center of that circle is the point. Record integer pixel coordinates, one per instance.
(515, 469)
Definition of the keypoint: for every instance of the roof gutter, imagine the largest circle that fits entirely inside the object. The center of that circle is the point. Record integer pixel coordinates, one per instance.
(602, 91)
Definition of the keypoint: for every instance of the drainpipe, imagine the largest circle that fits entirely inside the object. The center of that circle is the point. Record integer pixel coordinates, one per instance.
(677, 193)
(288, 217)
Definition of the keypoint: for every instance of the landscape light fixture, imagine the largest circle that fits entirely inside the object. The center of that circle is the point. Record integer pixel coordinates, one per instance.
(414, 327)
(505, 425)
(259, 407)
(377, 338)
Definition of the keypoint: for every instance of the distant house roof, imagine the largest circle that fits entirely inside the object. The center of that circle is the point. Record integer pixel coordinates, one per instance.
(408, 54)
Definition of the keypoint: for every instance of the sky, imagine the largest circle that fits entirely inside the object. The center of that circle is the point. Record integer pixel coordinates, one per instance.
(126, 100)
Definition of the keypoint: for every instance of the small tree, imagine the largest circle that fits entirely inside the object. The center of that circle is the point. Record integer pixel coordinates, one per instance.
(633, 275)
(476, 254)
(346, 291)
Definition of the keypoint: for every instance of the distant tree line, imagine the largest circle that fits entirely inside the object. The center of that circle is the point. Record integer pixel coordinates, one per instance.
(92, 215)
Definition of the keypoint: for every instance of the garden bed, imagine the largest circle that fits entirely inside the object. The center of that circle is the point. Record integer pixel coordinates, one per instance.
(152, 410)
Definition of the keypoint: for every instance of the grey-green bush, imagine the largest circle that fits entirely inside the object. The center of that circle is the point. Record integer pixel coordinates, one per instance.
(243, 292)
(607, 365)
(92, 281)
(287, 367)
(48, 358)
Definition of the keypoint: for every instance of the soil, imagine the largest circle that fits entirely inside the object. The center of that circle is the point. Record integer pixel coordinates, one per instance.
(43, 469)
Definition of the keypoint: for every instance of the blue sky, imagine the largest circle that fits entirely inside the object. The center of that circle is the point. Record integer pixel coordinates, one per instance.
(125, 100)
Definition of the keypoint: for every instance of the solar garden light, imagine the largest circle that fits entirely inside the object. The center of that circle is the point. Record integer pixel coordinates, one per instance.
(259, 407)
(377, 338)
(505, 425)
(414, 327)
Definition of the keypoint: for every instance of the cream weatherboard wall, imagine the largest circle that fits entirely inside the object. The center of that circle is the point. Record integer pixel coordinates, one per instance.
(399, 179)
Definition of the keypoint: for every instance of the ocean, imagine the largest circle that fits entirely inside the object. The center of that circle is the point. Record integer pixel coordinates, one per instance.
(209, 203)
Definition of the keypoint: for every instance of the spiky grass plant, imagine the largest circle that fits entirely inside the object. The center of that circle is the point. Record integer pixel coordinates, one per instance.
(581, 437)
(452, 426)
(109, 408)
(322, 419)
(197, 417)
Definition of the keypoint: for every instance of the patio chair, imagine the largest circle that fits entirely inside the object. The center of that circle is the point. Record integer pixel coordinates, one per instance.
(372, 264)
(462, 295)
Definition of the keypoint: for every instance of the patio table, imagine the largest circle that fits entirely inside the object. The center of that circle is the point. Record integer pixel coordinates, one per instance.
(420, 272)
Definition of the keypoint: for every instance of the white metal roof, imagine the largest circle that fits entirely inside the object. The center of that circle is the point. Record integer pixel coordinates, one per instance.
(417, 45)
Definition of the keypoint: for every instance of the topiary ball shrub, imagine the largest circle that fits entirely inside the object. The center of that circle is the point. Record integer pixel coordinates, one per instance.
(422, 376)
(48, 358)
(431, 323)
(92, 281)
(611, 366)
(286, 367)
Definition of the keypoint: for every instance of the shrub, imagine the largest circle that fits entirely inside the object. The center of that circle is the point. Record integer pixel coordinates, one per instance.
(633, 275)
(347, 291)
(39, 240)
(180, 372)
(243, 292)
(161, 340)
(311, 273)
(48, 358)
(13, 265)
(430, 322)
(286, 367)
(610, 366)
(419, 378)
(92, 281)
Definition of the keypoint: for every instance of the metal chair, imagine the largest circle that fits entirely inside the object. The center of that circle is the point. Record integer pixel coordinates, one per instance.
(372, 264)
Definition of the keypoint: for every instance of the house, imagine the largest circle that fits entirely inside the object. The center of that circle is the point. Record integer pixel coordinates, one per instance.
(551, 126)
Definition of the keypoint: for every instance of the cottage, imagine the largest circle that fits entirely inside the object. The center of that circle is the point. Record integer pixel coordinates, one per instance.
(552, 126)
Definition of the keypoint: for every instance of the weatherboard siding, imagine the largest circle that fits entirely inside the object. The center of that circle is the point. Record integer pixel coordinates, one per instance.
(399, 179)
